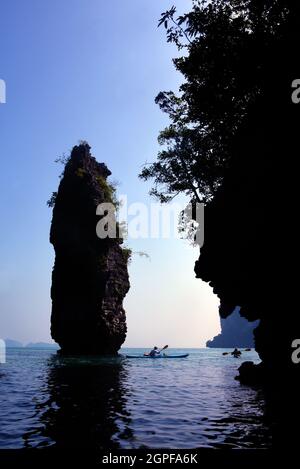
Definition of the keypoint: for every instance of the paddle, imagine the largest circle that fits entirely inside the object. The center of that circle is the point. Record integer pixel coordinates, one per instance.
(164, 348)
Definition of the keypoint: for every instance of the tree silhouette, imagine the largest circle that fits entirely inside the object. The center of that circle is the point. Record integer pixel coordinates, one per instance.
(225, 63)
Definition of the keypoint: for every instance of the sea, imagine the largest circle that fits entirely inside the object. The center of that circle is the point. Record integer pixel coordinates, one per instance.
(106, 403)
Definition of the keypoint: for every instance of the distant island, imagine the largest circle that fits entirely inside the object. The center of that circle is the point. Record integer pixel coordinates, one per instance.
(236, 331)
(11, 343)
(42, 345)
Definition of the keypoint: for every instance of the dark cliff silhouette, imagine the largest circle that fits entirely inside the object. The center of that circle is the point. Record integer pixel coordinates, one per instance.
(90, 277)
(250, 239)
(235, 332)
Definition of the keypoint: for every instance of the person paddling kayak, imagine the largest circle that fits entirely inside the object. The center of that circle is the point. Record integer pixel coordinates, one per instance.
(236, 353)
(155, 352)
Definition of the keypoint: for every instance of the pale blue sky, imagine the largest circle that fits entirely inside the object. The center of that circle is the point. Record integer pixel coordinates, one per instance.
(88, 69)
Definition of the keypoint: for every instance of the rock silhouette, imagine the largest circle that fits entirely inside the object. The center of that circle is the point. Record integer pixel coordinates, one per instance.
(250, 238)
(90, 276)
(235, 332)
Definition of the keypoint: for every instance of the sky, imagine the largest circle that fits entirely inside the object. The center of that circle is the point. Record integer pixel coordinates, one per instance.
(89, 70)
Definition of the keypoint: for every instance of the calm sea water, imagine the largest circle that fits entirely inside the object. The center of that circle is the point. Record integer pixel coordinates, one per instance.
(105, 403)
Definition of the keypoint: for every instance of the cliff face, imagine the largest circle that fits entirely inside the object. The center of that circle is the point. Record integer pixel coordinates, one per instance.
(249, 226)
(235, 332)
(90, 277)
(248, 231)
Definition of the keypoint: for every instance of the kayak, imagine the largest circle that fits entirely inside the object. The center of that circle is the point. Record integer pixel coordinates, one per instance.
(183, 355)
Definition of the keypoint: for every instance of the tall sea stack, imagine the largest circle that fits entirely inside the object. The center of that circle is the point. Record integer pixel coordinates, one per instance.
(90, 276)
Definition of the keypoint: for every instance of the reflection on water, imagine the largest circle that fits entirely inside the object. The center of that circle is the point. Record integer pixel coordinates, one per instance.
(86, 406)
(101, 403)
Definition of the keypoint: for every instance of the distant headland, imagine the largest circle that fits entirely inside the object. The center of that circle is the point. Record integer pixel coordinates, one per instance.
(11, 343)
(236, 331)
